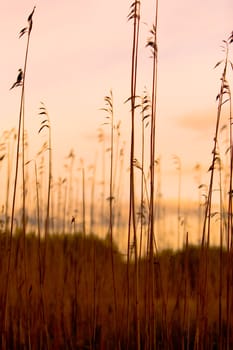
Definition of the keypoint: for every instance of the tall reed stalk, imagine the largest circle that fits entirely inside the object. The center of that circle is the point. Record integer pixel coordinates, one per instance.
(19, 82)
(144, 206)
(92, 196)
(40, 262)
(133, 15)
(202, 302)
(70, 208)
(225, 91)
(45, 123)
(178, 165)
(110, 120)
(83, 197)
(10, 139)
(101, 139)
(152, 43)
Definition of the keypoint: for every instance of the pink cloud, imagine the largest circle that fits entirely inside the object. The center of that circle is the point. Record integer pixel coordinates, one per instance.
(200, 122)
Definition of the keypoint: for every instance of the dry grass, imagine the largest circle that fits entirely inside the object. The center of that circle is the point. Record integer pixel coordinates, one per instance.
(75, 291)
(79, 302)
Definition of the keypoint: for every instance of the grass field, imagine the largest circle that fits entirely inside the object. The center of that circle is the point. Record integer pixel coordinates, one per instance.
(64, 287)
(72, 307)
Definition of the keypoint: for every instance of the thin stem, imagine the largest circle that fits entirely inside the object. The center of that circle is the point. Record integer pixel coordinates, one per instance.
(20, 129)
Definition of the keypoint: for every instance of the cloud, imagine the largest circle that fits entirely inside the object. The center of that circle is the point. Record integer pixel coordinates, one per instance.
(200, 122)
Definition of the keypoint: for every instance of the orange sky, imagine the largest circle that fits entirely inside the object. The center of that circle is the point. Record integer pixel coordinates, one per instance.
(81, 49)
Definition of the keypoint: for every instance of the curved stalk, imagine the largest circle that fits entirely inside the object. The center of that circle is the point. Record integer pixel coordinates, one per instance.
(20, 80)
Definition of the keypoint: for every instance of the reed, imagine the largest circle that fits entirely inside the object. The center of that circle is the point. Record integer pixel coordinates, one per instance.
(202, 303)
(110, 120)
(20, 81)
(133, 15)
(65, 288)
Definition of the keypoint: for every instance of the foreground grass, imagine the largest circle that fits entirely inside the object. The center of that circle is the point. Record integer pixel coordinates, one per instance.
(73, 307)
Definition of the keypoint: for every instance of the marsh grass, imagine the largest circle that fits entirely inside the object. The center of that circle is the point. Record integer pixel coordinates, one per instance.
(65, 288)
(80, 302)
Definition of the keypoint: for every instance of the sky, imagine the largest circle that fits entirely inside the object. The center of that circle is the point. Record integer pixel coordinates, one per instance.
(79, 50)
